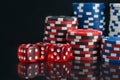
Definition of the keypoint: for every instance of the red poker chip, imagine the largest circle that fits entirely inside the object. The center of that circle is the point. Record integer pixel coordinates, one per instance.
(84, 46)
(83, 40)
(111, 45)
(53, 36)
(55, 27)
(54, 42)
(85, 59)
(61, 22)
(54, 33)
(55, 39)
(110, 51)
(111, 57)
(84, 32)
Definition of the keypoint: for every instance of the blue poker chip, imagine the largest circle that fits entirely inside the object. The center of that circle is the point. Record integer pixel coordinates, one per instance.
(90, 4)
(109, 69)
(91, 19)
(111, 40)
(110, 48)
(110, 61)
(110, 54)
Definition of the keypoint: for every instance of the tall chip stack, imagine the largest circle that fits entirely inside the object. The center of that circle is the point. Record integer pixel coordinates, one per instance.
(56, 28)
(114, 24)
(110, 49)
(90, 16)
(84, 43)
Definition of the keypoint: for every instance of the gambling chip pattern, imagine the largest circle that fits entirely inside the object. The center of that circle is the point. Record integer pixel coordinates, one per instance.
(85, 43)
(90, 16)
(114, 24)
(56, 28)
(110, 49)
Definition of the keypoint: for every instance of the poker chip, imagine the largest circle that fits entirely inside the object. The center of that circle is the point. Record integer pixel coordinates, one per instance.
(90, 15)
(56, 28)
(111, 40)
(114, 24)
(110, 49)
(61, 18)
(84, 43)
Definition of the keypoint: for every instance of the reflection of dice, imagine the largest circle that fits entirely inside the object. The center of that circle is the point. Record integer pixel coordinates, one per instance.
(58, 70)
(59, 52)
(28, 52)
(43, 68)
(43, 47)
(28, 70)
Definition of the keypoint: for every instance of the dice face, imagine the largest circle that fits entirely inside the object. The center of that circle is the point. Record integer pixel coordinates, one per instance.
(28, 70)
(43, 47)
(59, 52)
(28, 53)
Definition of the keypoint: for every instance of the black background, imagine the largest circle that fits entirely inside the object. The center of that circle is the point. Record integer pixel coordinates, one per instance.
(22, 21)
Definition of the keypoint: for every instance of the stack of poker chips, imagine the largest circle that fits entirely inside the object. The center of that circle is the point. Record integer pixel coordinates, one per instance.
(56, 28)
(90, 15)
(114, 24)
(110, 71)
(110, 49)
(84, 43)
(84, 70)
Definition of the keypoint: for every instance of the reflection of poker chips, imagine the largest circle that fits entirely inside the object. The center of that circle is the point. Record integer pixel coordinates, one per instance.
(84, 52)
(110, 71)
(90, 16)
(85, 55)
(114, 24)
(85, 59)
(84, 70)
(110, 49)
(56, 27)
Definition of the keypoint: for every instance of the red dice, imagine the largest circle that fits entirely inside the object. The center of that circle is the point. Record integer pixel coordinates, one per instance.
(28, 53)
(43, 47)
(28, 70)
(59, 52)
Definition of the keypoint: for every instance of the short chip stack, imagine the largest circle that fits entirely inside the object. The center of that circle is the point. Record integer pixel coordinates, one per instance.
(110, 71)
(84, 43)
(110, 49)
(84, 70)
(56, 28)
(90, 15)
(114, 24)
